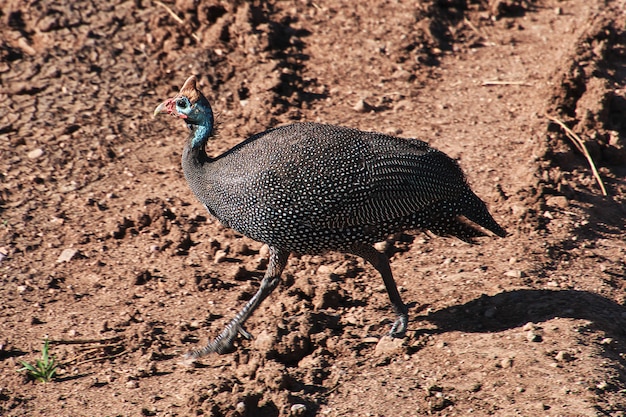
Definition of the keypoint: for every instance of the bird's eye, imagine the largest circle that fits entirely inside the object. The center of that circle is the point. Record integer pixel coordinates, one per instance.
(182, 103)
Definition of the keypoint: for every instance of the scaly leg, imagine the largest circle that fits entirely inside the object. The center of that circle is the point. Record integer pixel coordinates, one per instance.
(223, 343)
(381, 263)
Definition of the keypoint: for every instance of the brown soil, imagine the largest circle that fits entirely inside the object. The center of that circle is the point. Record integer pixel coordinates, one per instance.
(105, 250)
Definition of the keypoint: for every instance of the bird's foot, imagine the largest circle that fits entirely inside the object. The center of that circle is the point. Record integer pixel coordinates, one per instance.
(223, 343)
(399, 326)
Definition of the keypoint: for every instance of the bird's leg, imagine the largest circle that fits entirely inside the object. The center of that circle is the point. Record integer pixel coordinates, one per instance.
(381, 263)
(223, 343)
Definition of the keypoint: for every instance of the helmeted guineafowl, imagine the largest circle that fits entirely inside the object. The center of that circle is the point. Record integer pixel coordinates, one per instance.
(310, 188)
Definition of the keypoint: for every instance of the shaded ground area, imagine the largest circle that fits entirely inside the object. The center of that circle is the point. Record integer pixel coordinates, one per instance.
(104, 249)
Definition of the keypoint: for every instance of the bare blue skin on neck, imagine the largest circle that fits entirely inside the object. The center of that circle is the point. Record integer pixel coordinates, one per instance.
(200, 134)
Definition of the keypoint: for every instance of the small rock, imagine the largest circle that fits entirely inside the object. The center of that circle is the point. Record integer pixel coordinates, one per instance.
(533, 336)
(515, 273)
(220, 256)
(240, 408)
(142, 277)
(264, 252)
(606, 341)
(563, 356)
(529, 326)
(35, 153)
(382, 246)
(297, 410)
(324, 271)
(388, 345)
(3, 253)
(343, 271)
(264, 341)
(506, 363)
(67, 255)
(132, 384)
(557, 201)
(362, 106)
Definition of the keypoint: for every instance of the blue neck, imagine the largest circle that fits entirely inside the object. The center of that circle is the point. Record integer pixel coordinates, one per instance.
(200, 134)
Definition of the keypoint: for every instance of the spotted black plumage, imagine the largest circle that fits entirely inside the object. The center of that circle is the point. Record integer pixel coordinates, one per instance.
(310, 188)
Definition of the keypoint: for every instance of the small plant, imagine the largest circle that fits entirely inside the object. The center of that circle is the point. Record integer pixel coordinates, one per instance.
(44, 369)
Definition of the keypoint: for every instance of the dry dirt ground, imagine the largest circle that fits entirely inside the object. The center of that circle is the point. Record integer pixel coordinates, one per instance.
(104, 250)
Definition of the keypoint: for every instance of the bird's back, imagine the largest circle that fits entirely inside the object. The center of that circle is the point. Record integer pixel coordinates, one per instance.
(311, 187)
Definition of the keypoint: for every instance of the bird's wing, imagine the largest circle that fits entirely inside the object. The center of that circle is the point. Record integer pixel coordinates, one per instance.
(361, 178)
(398, 185)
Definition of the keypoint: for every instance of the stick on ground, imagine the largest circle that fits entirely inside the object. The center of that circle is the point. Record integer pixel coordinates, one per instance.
(580, 145)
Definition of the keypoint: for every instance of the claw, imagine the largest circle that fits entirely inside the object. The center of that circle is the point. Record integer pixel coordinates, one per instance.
(399, 326)
(223, 343)
(244, 333)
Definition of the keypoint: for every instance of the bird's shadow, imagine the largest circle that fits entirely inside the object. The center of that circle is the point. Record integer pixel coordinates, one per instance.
(512, 309)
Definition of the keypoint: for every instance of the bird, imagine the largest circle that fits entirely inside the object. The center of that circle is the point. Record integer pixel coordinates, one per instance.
(313, 188)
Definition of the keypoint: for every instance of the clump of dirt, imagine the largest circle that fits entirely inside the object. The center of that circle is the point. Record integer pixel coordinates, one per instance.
(589, 95)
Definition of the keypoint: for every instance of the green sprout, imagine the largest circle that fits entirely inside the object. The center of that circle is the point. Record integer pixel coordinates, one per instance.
(44, 369)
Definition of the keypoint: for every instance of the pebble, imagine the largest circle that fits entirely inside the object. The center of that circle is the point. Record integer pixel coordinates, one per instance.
(533, 336)
(132, 384)
(67, 255)
(606, 341)
(388, 345)
(324, 271)
(240, 408)
(220, 256)
(515, 273)
(563, 356)
(557, 201)
(35, 153)
(362, 106)
(602, 385)
(264, 252)
(264, 341)
(298, 410)
(506, 363)
(382, 246)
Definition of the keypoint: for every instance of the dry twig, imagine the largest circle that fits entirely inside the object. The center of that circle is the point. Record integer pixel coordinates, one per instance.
(474, 28)
(83, 341)
(102, 358)
(580, 145)
(496, 82)
(176, 17)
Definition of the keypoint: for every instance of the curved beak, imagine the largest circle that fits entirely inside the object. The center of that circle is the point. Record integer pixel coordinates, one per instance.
(168, 106)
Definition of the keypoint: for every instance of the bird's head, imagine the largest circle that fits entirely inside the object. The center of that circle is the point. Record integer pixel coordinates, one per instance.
(189, 104)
